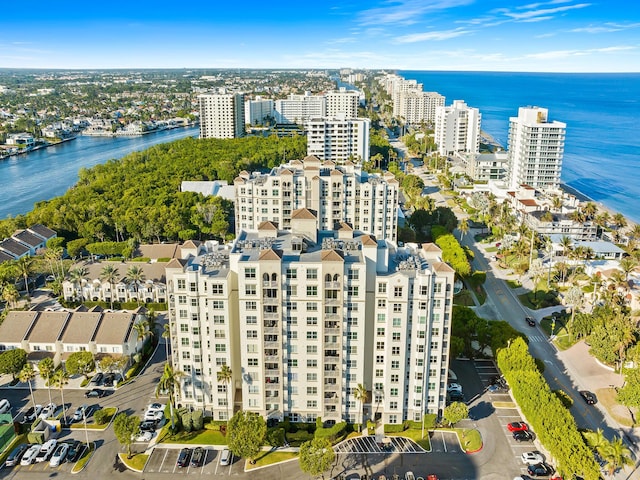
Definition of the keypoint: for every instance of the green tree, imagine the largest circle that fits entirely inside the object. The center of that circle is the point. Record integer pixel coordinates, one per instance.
(316, 456)
(246, 434)
(24, 266)
(360, 395)
(616, 455)
(125, 427)
(80, 363)
(141, 328)
(455, 412)
(60, 379)
(75, 247)
(12, 361)
(27, 374)
(77, 275)
(110, 274)
(46, 369)
(169, 383)
(136, 275)
(629, 394)
(10, 294)
(225, 377)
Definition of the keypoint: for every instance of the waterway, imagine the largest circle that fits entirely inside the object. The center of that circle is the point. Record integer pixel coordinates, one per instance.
(49, 172)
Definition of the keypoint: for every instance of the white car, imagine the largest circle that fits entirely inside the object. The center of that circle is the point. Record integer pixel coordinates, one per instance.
(30, 455)
(46, 450)
(454, 387)
(48, 410)
(5, 406)
(143, 437)
(154, 415)
(156, 407)
(59, 455)
(532, 458)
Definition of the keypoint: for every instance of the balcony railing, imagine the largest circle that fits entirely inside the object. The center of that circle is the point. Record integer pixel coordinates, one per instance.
(331, 373)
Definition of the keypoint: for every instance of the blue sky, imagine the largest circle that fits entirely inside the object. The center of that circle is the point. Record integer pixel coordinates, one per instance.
(545, 36)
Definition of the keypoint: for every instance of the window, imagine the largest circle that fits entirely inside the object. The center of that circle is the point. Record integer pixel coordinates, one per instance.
(182, 284)
(292, 273)
(395, 351)
(352, 291)
(397, 292)
(397, 322)
(292, 334)
(312, 403)
(393, 405)
(312, 349)
(423, 290)
(312, 274)
(250, 289)
(382, 288)
(182, 299)
(393, 392)
(312, 363)
(312, 320)
(379, 358)
(312, 306)
(312, 335)
(352, 335)
(353, 274)
(312, 291)
(249, 273)
(221, 347)
(184, 328)
(395, 378)
(219, 320)
(382, 303)
(379, 372)
(252, 362)
(395, 336)
(252, 348)
(217, 305)
(397, 307)
(217, 289)
(251, 320)
(186, 355)
(395, 364)
(292, 362)
(437, 288)
(184, 342)
(251, 305)
(312, 390)
(193, 287)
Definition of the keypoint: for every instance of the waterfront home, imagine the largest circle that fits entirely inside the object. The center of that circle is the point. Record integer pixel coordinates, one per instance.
(24, 140)
(14, 248)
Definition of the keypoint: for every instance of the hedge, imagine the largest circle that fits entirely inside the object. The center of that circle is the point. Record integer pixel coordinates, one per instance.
(332, 433)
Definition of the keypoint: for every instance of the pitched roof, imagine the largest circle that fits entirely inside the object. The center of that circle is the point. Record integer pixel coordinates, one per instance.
(114, 328)
(286, 171)
(16, 325)
(158, 250)
(346, 227)
(13, 247)
(28, 238)
(5, 257)
(267, 225)
(369, 240)
(191, 244)
(442, 267)
(176, 263)
(48, 327)
(81, 327)
(336, 173)
(331, 256)
(42, 231)
(431, 247)
(269, 254)
(303, 213)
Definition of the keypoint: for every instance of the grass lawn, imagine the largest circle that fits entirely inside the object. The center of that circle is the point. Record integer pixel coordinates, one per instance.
(204, 437)
(94, 426)
(137, 462)
(464, 298)
(513, 283)
(503, 405)
(84, 459)
(270, 457)
(620, 413)
(298, 438)
(470, 439)
(491, 249)
(416, 436)
(563, 338)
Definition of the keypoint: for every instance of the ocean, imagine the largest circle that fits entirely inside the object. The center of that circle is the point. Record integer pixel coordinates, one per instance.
(602, 113)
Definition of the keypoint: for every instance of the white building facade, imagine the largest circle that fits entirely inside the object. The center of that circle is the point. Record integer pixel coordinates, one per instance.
(418, 107)
(300, 108)
(221, 115)
(535, 149)
(342, 102)
(258, 110)
(457, 128)
(338, 139)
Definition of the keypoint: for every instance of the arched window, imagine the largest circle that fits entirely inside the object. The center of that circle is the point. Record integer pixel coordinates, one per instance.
(336, 277)
(265, 277)
(327, 277)
(274, 277)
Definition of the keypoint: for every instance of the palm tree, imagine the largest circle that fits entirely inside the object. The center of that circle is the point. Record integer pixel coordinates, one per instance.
(10, 294)
(565, 243)
(152, 322)
(24, 266)
(142, 329)
(110, 274)
(169, 381)
(590, 210)
(135, 274)
(619, 221)
(360, 394)
(27, 374)
(463, 226)
(225, 376)
(556, 203)
(77, 275)
(60, 379)
(628, 265)
(596, 440)
(53, 256)
(46, 369)
(166, 334)
(617, 455)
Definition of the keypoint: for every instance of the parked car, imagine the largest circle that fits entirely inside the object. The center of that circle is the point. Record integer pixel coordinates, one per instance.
(148, 426)
(95, 393)
(30, 455)
(82, 411)
(143, 436)
(156, 407)
(32, 413)
(454, 387)
(530, 321)
(59, 455)
(588, 397)
(76, 449)
(96, 380)
(197, 457)
(48, 410)
(523, 436)
(184, 457)
(540, 470)
(225, 457)
(5, 406)
(16, 454)
(532, 458)
(46, 450)
(517, 426)
(108, 380)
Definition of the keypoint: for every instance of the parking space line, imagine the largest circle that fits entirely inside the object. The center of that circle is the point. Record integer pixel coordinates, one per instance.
(444, 444)
(163, 459)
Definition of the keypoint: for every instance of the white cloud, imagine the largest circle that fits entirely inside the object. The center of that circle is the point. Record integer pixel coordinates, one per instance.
(406, 12)
(556, 54)
(542, 12)
(425, 36)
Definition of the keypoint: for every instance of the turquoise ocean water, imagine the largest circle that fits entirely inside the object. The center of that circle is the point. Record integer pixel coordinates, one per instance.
(602, 113)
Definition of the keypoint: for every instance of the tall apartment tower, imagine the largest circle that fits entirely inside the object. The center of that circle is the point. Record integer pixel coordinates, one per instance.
(457, 129)
(336, 193)
(257, 110)
(535, 149)
(339, 138)
(417, 106)
(303, 317)
(221, 115)
(342, 102)
(300, 108)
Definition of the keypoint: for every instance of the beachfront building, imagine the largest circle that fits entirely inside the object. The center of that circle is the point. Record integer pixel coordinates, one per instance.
(457, 129)
(416, 107)
(336, 194)
(221, 115)
(259, 110)
(300, 108)
(535, 149)
(338, 138)
(485, 167)
(342, 102)
(303, 317)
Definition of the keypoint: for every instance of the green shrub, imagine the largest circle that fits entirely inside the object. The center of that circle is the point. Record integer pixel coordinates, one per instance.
(214, 424)
(275, 436)
(141, 259)
(394, 427)
(332, 433)
(187, 421)
(197, 419)
(164, 260)
(101, 416)
(566, 400)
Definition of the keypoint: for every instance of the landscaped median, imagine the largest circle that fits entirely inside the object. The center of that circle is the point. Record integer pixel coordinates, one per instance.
(80, 464)
(270, 457)
(106, 418)
(136, 463)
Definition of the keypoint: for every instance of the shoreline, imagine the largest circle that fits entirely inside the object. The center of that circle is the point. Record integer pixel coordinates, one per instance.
(582, 197)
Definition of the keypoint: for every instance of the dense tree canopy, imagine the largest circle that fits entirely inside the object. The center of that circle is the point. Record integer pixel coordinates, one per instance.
(12, 361)
(139, 195)
(246, 434)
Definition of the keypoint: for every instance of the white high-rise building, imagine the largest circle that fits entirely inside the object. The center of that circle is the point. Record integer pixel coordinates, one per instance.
(416, 106)
(338, 139)
(342, 102)
(258, 110)
(300, 108)
(336, 193)
(457, 129)
(535, 149)
(303, 317)
(221, 115)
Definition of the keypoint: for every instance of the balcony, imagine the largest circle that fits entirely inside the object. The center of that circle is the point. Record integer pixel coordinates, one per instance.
(331, 344)
(271, 357)
(331, 358)
(332, 373)
(272, 380)
(331, 387)
(332, 285)
(272, 373)
(271, 344)
(271, 315)
(332, 401)
(332, 316)
(270, 284)
(270, 301)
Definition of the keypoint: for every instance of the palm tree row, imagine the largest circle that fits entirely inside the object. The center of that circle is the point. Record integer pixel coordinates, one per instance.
(110, 274)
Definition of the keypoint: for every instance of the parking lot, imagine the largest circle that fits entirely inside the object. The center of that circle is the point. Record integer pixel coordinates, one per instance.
(163, 460)
(445, 442)
(370, 444)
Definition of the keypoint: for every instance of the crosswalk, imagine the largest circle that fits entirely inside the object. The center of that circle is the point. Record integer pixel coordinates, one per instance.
(537, 338)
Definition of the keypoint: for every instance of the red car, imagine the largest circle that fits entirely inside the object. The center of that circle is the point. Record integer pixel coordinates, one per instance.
(517, 427)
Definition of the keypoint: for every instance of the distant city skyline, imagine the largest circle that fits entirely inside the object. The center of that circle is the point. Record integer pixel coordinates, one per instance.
(464, 35)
